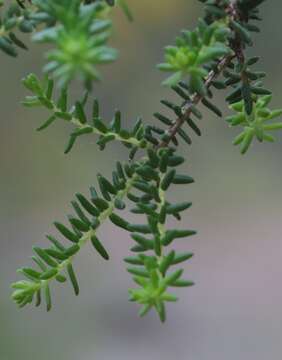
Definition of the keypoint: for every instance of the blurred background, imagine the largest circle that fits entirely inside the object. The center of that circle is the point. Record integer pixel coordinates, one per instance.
(234, 311)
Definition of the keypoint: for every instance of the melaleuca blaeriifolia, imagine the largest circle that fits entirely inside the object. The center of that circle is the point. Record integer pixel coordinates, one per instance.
(211, 57)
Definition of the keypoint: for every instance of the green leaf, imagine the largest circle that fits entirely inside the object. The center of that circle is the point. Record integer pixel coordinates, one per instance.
(48, 297)
(7, 47)
(99, 247)
(47, 123)
(168, 179)
(66, 232)
(242, 32)
(73, 279)
(182, 179)
(247, 96)
(118, 221)
(247, 140)
(49, 274)
(87, 205)
(173, 79)
(79, 111)
(176, 208)
(45, 257)
(126, 9)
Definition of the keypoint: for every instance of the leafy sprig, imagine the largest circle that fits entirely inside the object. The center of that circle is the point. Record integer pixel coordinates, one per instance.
(55, 262)
(193, 51)
(79, 38)
(76, 116)
(151, 272)
(255, 125)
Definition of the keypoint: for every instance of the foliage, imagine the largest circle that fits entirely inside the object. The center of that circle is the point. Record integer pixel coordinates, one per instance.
(79, 37)
(256, 124)
(211, 57)
(194, 50)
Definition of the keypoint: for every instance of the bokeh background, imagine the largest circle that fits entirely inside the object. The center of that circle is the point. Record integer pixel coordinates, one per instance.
(234, 311)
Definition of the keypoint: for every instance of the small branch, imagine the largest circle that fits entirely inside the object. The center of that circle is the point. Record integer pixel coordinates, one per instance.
(25, 290)
(232, 12)
(80, 126)
(196, 98)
